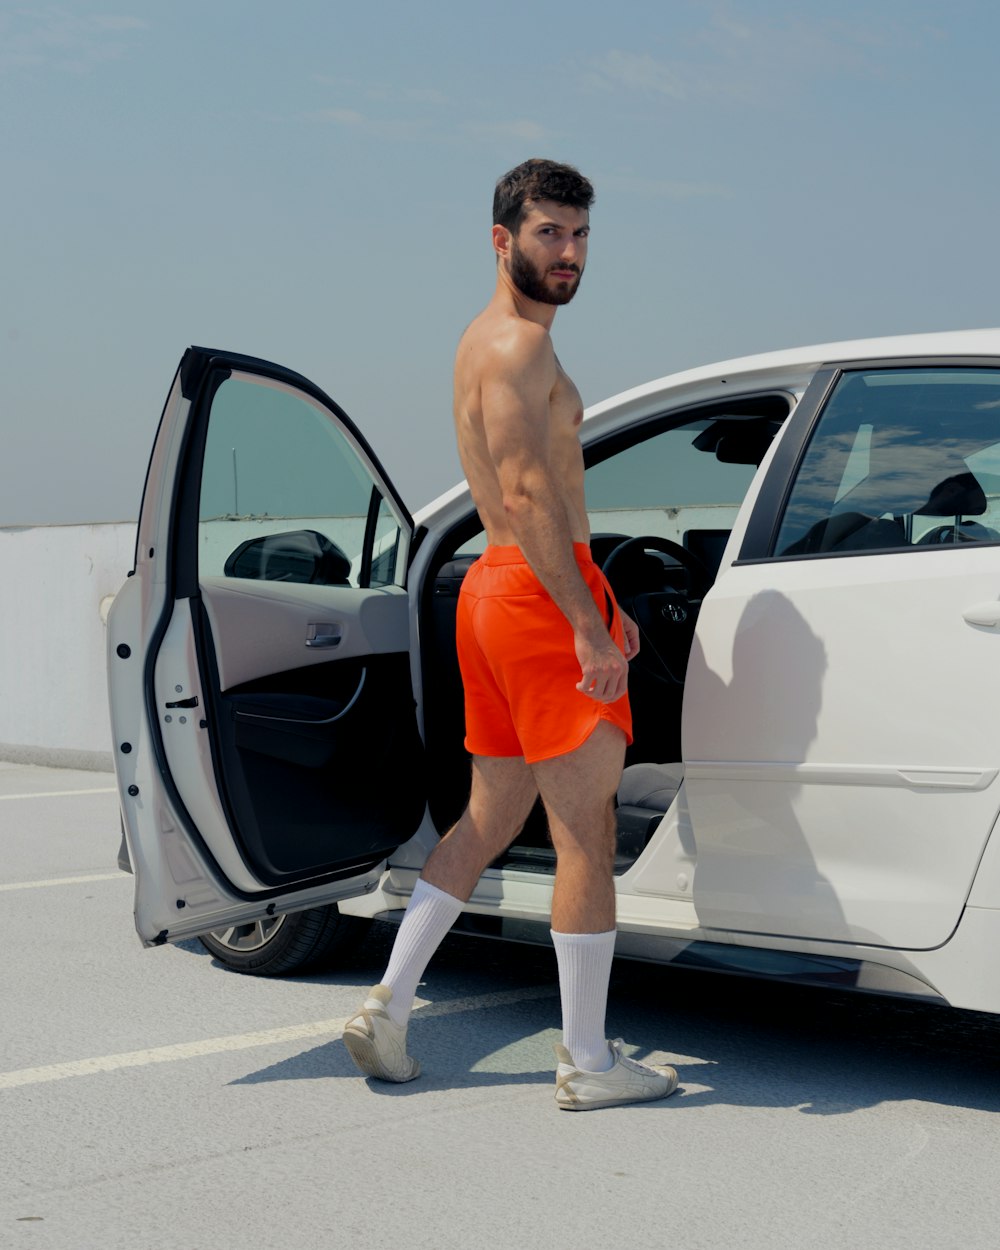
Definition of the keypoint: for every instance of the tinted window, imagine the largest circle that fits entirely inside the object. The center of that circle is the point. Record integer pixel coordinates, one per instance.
(899, 458)
(285, 496)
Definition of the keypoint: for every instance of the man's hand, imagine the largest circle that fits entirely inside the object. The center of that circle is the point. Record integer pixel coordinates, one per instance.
(604, 670)
(631, 635)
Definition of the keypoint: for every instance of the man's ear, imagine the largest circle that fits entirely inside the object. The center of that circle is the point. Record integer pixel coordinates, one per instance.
(501, 241)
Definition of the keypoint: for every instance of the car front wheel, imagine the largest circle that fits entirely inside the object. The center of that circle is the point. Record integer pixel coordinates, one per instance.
(276, 945)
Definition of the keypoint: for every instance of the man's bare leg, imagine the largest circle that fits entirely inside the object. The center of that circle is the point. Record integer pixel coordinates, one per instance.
(503, 793)
(578, 791)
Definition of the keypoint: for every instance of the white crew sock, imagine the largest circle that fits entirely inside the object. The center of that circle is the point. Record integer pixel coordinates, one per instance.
(584, 961)
(430, 913)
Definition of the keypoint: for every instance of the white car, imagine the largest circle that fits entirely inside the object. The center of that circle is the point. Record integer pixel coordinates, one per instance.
(810, 543)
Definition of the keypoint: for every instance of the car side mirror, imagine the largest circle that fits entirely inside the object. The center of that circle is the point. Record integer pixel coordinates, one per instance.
(298, 556)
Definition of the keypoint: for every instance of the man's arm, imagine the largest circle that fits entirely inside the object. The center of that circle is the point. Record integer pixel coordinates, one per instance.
(516, 386)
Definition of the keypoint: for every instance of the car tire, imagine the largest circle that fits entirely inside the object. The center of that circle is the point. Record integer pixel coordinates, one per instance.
(293, 942)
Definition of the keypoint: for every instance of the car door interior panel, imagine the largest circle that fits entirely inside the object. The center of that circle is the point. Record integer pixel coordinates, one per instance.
(304, 756)
(286, 523)
(268, 626)
(301, 733)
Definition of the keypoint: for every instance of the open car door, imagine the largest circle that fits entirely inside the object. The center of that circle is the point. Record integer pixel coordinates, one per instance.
(262, 705)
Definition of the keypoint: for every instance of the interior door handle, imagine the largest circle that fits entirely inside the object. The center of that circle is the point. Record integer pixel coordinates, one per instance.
(323, 636)
(983, 613)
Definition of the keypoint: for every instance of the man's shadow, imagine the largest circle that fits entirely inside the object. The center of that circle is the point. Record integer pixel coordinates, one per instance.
(756, 871)
(489, 1016)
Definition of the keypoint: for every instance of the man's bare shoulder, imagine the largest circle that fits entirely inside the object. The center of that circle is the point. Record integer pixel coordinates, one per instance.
(501, 342)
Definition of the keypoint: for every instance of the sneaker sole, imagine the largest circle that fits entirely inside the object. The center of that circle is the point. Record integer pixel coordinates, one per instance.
(597, 1104)
(362, 1050)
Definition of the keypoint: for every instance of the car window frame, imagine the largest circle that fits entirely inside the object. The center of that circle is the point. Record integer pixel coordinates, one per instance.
(202, 372)
(764, 523)
(613, 442)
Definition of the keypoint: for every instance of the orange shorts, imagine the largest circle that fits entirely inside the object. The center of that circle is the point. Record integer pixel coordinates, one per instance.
(519, 664)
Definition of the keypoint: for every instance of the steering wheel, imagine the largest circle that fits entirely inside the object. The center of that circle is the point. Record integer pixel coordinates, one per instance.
(699, 578)
(666, 618)
(956, 534)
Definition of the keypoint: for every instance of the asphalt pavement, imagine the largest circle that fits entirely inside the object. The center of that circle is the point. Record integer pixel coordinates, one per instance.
(151, 1100)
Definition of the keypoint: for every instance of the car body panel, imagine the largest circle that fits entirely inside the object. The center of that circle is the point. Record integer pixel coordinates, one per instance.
(835, 793)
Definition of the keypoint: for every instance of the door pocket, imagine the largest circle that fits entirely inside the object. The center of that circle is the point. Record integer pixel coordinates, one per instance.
(300, 729)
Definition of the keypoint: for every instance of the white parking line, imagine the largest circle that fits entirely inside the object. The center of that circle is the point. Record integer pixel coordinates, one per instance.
(248, 1041)
(37, 885)
(59, 794)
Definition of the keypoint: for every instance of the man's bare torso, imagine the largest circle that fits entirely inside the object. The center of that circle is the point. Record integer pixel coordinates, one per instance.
(495, 332)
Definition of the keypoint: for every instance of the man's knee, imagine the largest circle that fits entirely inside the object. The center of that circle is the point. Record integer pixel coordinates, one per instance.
(589, 831)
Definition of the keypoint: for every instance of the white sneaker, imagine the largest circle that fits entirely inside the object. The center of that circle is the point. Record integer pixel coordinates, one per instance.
(377, 1044)
(625, 1081)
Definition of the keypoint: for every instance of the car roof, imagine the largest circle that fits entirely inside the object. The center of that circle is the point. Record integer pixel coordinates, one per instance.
(796, 364)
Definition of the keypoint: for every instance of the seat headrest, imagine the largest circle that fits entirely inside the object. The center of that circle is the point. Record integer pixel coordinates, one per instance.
(958, 495)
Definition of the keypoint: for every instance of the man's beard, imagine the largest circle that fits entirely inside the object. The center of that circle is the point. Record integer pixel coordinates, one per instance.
(530, 282)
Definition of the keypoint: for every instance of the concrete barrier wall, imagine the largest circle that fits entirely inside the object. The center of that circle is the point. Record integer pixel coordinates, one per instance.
(57, 584)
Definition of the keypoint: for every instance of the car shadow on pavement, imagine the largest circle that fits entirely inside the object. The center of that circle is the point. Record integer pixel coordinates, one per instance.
(735, 1041)
(822, 1051)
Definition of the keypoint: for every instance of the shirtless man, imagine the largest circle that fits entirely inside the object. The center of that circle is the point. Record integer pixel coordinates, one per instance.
(542, 647)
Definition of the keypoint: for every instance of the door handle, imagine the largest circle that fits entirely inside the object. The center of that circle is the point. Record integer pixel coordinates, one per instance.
(325, 635)
(983, 614)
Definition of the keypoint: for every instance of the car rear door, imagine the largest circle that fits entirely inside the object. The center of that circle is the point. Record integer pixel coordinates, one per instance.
(840, 731)
(262, 702)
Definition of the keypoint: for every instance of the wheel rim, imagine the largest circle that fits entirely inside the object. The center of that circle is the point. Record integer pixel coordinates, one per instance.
(249, 937)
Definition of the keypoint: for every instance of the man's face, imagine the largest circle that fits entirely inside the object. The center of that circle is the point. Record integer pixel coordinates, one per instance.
(548, 253)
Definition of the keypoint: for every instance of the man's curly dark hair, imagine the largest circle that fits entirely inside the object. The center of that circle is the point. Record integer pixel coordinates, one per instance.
(538, 179)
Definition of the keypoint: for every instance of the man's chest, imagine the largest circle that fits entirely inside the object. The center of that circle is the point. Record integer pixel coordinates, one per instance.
(565, 404)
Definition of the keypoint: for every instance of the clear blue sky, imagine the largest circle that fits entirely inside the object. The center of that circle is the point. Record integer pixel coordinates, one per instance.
(311, 182)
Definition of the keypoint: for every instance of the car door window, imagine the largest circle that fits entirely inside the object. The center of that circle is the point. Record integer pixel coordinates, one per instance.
(687, 482)
(899, 459)
(285, 495)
